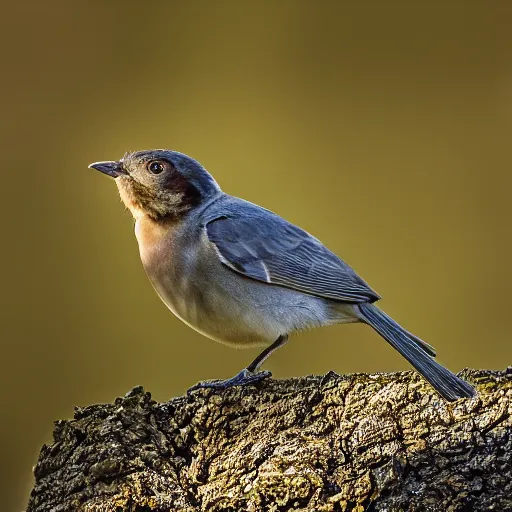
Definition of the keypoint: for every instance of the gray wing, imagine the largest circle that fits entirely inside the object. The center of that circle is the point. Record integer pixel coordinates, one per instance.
(263, 246)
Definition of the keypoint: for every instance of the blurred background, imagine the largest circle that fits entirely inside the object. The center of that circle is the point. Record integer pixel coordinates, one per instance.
(383, 128)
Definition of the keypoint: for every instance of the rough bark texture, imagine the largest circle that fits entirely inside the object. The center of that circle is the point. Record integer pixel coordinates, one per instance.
(383, 442)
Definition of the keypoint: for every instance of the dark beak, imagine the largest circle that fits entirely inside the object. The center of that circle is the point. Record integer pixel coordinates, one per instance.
(113, 169)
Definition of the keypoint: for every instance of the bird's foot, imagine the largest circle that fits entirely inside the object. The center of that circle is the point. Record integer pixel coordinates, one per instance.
(244, 378)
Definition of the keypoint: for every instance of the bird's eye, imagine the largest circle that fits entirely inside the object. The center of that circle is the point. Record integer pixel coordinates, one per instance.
(156, 167)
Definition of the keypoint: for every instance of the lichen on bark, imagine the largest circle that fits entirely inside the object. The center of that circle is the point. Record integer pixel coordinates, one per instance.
(383, 442)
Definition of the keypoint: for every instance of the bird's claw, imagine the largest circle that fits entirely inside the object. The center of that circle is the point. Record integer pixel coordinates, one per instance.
(244, 378)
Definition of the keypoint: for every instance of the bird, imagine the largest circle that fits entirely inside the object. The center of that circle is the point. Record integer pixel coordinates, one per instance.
(242, 275)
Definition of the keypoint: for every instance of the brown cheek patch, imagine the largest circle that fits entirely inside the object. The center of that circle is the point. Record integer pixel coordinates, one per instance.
(175, 197)
(179, 186)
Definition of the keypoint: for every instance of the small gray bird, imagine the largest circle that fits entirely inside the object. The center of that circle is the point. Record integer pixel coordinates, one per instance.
(242, 275)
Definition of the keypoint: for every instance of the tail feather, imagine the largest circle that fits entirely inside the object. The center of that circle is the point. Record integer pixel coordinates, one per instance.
(429, 349)
(418, 353)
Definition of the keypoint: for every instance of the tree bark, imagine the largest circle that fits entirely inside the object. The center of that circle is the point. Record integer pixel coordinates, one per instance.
(383, 442)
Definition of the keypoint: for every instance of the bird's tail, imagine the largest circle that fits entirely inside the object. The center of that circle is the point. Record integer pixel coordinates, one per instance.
(417, 352)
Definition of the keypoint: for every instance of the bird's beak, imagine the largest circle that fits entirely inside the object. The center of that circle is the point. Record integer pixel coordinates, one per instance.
(113, 169)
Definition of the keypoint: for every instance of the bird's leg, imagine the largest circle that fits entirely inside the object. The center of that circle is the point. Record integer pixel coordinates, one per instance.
(249, 375)
(253, 367)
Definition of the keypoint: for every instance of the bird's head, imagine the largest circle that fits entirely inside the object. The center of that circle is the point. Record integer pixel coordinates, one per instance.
(159, 183)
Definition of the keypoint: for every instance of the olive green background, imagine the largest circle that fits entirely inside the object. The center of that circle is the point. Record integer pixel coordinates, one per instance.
(382, 128)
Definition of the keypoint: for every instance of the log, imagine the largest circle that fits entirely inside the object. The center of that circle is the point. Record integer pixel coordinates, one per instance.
(382, 442)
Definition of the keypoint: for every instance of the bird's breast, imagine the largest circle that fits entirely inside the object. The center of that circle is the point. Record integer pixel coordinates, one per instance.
(161, 251)
(187, 274)
(175, 262)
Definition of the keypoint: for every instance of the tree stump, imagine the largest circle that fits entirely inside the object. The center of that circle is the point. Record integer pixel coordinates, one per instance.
(383, 442)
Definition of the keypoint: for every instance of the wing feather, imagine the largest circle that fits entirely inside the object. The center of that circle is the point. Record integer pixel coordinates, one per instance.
(265, 247)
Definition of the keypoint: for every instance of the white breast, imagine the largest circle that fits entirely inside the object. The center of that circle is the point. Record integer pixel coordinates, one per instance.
(216, 301)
